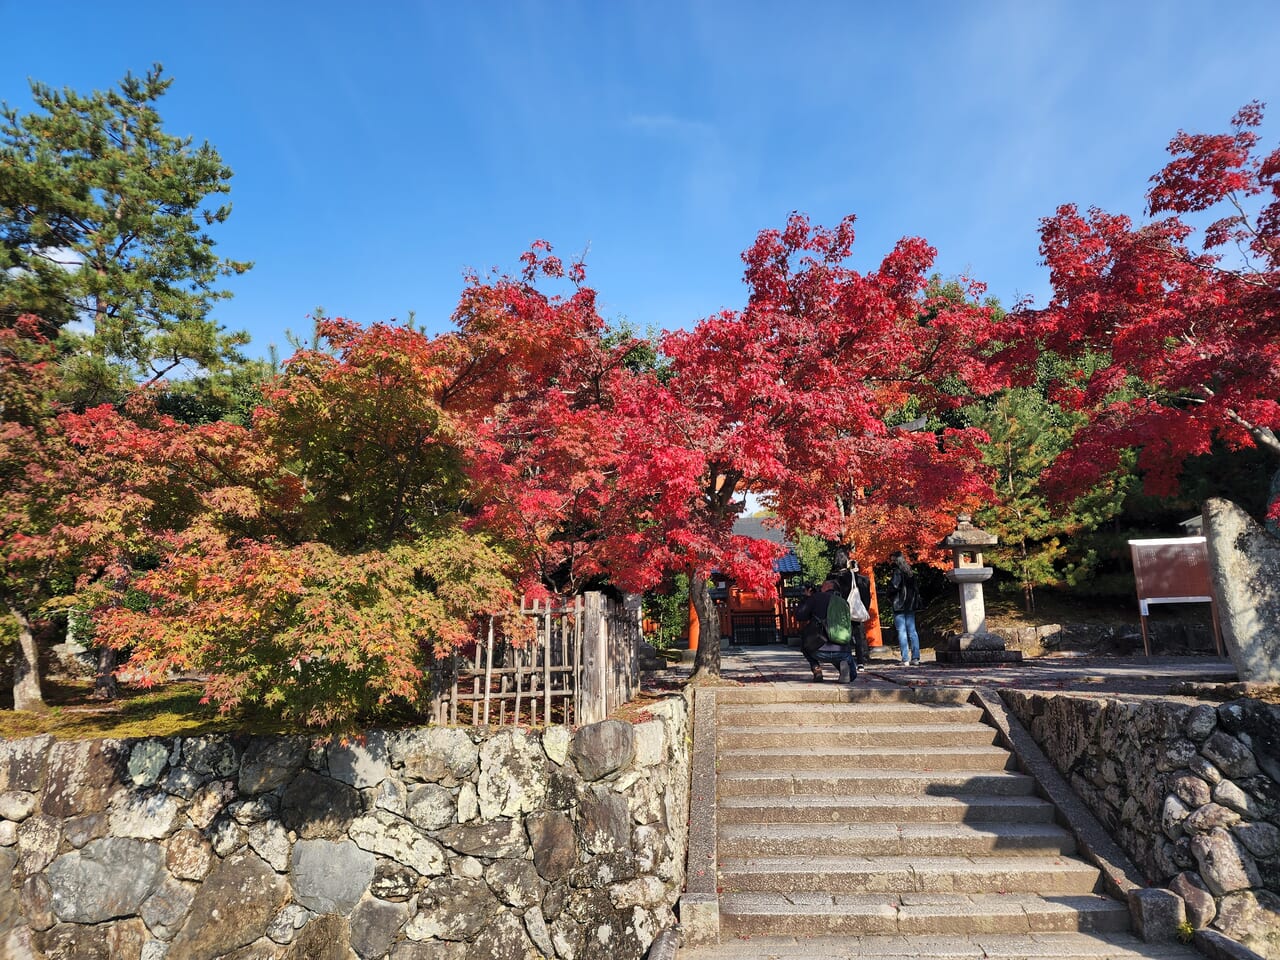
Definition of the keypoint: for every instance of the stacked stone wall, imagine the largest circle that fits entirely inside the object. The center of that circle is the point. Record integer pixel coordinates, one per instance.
(1189, 790)
(1182, 635)
(439, 843)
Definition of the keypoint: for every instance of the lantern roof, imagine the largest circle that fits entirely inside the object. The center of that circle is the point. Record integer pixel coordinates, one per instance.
(967, 535)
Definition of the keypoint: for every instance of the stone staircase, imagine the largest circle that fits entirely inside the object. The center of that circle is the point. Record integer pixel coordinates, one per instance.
(869, 823)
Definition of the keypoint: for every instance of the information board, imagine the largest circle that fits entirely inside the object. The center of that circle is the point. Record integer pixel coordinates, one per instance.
(1173, 570)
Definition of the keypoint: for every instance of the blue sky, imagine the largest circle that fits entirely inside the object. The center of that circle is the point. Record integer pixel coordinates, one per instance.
(381, 150)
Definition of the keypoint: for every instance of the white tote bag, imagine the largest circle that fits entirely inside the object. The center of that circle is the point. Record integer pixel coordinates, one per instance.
(858, 612)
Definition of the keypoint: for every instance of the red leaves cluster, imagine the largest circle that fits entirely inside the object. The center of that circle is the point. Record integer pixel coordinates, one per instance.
(1190, 337)
(789, 399)
(539, 386)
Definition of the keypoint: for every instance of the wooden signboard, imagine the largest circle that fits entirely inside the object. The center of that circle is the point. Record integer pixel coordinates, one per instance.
(1173, 570)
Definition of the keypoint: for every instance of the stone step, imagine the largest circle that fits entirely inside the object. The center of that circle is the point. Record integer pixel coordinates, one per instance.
(838, 758)
(822, 693)
(909, 737)
(1033, 946)
(915, 914)
(871, 782)
(949, 874)
(891, 840)
(890, 713)
(881, 809)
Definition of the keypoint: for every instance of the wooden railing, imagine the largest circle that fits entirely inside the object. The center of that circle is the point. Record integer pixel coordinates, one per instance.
(580, 666)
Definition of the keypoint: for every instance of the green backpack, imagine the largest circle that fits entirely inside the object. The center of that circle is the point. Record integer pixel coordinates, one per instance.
(839, 621)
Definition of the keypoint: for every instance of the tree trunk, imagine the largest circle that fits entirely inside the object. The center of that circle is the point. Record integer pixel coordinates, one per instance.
(1273, 523)
(1028, 587)
(104, 684)
(26, 667)
(707, 665)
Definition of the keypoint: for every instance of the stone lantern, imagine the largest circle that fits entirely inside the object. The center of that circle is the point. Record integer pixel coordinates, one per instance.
(973, 644)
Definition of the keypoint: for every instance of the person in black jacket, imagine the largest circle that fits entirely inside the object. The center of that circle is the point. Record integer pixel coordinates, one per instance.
(846, 575)
(904, 587)
(814, 642)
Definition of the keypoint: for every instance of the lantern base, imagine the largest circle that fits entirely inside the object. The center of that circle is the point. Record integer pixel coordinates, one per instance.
(977, 640)
(972, 649)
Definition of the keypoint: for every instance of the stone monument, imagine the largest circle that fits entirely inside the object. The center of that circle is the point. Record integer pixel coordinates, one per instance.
(1244, 563)
(973, 645)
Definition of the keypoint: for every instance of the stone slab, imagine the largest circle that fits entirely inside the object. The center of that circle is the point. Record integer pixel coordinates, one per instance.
(1244, 565)
(879, 782)
(965, 658)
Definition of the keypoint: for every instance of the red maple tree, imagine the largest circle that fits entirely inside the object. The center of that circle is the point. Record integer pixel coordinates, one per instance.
(77, 514)
(29, 491)
(392, 485)
(539, 386)
(1178, 317)
(792, 398)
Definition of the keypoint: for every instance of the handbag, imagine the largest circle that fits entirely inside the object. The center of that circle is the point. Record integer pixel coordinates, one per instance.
(858, 612)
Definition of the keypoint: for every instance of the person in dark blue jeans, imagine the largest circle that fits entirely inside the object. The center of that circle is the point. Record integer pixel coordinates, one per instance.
(904, 588)
(814, 643)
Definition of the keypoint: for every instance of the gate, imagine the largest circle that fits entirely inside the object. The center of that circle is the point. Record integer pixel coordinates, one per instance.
(581, 665)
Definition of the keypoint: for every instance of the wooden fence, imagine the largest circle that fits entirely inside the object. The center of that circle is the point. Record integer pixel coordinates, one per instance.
(580, 666)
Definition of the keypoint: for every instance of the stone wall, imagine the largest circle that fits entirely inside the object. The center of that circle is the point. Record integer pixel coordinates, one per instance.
(437, 842)
(1188, 789)
(1188, 633)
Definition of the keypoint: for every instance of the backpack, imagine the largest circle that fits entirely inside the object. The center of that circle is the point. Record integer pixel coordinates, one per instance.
(839, 623)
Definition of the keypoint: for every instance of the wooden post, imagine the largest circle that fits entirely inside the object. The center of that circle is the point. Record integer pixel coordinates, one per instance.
(593, 692)
(546, 667)
(875, 638)
(577, 662)
(695, 628)
(453, 702)
(519, 656)
(635, 633)
(488, 671)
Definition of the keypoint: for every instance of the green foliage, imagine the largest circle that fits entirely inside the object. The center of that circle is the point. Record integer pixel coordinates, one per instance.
(103, 221)
(1039, 539)
(319, 636)
(815, 556)
(230, 394)
(670, 611)
(360, 425)
(638, 354)
(1186, 931)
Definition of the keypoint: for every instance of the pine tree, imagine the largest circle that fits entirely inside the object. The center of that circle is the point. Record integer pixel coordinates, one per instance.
(1040, 538)
(102, 221)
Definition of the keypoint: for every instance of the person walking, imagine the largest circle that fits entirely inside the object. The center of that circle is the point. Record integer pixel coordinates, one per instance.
(850, 583)
(904, 588)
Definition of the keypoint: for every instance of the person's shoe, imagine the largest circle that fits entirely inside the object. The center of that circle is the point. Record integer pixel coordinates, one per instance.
(915, 663)
(906, 663)
(846, 675)
(817, 674)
